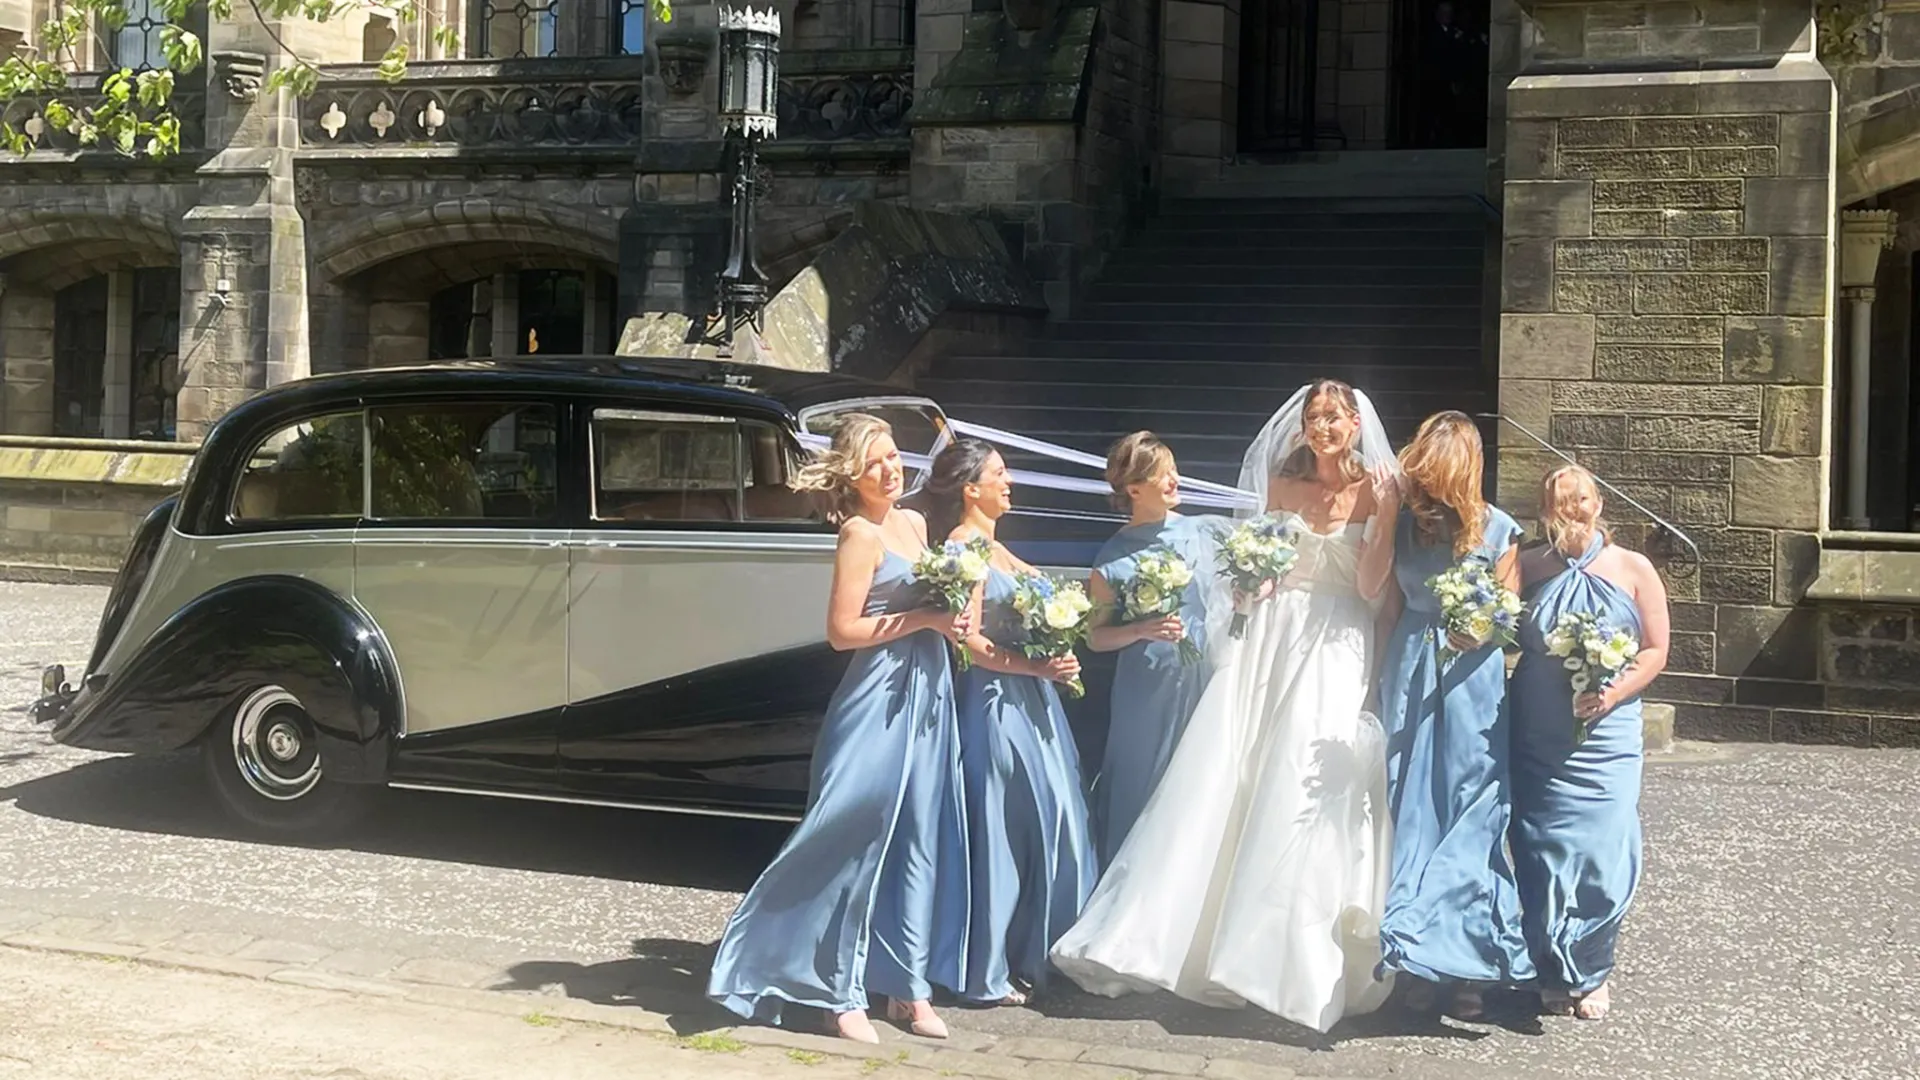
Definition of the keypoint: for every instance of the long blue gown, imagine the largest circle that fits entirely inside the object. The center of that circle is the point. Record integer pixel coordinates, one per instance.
(1031, 845)
(1453, 910)
(870, 892)
(1154, 691)
(1576, 824)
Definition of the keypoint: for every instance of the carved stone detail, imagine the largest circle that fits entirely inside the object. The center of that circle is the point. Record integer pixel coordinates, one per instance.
(241, 74)
(837, 107)
(478, 110)
(683, 63)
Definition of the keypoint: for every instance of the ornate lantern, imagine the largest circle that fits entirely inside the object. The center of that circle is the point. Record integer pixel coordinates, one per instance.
(750, 71)
(749, 112)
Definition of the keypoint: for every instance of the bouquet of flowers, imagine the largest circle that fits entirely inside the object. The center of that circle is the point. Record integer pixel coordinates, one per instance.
(1055, 615)
(1475, 605)
(1160, 579)
(953, 570)
(1593, 653)
(1259, 550)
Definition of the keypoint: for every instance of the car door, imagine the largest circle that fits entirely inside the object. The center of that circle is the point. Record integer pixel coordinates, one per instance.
(462, 562)
(698, 665)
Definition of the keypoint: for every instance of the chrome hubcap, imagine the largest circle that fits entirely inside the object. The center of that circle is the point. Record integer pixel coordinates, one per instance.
(273, 746)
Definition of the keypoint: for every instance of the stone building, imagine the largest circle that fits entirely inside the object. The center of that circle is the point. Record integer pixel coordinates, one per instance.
(1673, 238)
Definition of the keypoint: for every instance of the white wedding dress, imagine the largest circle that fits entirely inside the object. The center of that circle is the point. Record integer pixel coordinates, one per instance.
(1258, 869)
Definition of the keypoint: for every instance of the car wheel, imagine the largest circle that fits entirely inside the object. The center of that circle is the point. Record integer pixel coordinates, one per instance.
(264, 763)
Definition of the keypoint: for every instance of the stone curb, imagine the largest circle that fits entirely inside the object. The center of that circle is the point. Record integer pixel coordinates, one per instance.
(453, 984)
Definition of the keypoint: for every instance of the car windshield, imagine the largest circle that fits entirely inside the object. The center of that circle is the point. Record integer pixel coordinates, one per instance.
(918, 425)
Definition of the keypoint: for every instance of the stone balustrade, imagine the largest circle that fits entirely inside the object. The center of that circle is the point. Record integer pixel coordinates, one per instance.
(27, 114)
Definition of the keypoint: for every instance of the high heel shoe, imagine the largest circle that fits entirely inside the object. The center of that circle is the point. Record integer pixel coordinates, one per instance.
(853, 1026)
(929, 1026)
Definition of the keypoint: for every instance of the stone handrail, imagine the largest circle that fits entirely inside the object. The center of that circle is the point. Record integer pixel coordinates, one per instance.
(556, 104)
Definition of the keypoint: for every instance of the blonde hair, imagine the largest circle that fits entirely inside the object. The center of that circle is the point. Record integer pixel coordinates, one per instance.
(1138, 458)
(1444, 465)
(830, 477)
(1300, 464)
(1566, 530)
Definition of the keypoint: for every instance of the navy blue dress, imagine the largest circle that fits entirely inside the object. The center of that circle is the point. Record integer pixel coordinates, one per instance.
(869, 894)
(1032, 847)
(1453, 910)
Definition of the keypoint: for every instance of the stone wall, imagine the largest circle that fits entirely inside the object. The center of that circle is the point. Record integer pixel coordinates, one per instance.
(1664, 316)
(70, 506)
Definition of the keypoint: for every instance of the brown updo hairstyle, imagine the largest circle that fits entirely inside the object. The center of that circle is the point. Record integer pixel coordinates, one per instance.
(944, 499)
(1567, 530)
(830, 477)
(1444, 464)
(1300, 465)
(1139, 458)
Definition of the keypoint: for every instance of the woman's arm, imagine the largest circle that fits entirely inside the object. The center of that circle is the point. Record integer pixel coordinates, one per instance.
(1376, 551)
(1507, 570)
(1650, 597)
(848, 626)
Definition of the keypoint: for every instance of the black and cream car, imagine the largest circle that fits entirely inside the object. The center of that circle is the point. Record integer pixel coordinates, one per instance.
(583, 580)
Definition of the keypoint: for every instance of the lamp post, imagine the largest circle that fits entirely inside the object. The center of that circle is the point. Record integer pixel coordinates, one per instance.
(749, 103)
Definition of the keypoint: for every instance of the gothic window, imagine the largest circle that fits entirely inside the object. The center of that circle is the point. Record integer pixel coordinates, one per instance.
(136, 44)
(518, 29)
(155, 338)
(80, 358)
(460, 321)
(629, 27)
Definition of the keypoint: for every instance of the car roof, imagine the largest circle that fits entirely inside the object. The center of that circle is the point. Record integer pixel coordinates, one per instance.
(710, 379)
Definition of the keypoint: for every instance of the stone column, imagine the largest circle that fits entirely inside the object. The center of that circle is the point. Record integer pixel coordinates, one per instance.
(1665, 317)
(116, 381)
(243, 307)
(1864, 235)
(1200, 97)
(26, 341)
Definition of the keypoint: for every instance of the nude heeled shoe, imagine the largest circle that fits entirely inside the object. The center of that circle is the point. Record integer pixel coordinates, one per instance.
(853, 1026)
(932, 1027)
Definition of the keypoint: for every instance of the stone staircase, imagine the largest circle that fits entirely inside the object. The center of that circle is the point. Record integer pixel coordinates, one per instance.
(1232, 298)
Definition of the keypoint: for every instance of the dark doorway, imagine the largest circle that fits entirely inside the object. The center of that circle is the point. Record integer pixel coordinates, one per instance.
(80, 358)
(1284, 91)
(1440, 64)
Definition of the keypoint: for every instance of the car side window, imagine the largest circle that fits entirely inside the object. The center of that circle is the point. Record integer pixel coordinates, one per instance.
(672, 467)
(308, 471)
(464, 461)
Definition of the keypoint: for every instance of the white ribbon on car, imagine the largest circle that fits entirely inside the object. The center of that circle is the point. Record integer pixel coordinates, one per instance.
(1199, 492)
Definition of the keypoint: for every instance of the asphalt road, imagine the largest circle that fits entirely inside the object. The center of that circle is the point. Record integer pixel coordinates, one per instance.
(1776, 935)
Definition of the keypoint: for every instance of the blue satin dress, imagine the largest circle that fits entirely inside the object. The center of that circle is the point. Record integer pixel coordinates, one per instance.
(1031, 844)
(869, 894)
(1154, 691)
(1453, 910)
(1576, 809)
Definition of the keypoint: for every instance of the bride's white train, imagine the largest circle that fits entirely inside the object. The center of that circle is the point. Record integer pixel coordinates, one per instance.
(1258, 870)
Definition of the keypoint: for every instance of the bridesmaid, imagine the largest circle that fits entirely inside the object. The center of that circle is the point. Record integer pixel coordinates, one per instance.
(1154, 691)
(1453, 910)
(1030, 842)
(870, 891)
(1576, 828)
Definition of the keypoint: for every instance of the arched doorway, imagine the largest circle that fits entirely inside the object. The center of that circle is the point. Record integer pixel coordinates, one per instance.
(1362, 74)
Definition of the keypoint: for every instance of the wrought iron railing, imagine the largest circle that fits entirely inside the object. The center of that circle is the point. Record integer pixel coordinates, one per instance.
(1656, 519)
(27, 114)
(478, 104)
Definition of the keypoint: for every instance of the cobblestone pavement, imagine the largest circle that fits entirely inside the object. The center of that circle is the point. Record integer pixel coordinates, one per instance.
(1776, 935)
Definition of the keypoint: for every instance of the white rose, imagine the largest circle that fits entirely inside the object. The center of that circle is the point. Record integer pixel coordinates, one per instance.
(1480, 626)
(972, 567)
(1612, 658)
(1510, 603)
(1060, 614)
(1559, 645)
(1178, 575)
(1148, 596)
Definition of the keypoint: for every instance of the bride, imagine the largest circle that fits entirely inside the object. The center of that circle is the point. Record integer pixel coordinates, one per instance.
(1258, 869)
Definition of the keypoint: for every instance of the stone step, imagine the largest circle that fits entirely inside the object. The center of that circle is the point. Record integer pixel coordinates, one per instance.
(1151, 272)
(1266, 372)
(1222, 402)
(1204, 335)
(1461, 207)
(1260, 260)
(1110, 422)
(1331, 351)
(1416, 242)
(1458, 162)
(1358, 294)
(1290, 312)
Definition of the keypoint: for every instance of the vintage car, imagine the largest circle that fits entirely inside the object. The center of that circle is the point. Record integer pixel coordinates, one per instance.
(582, 580)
